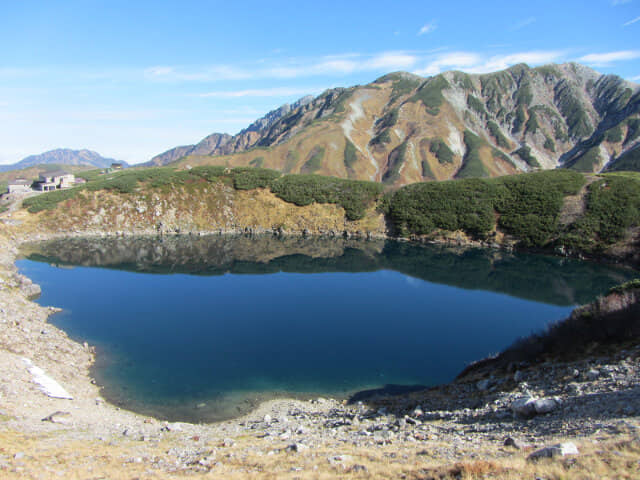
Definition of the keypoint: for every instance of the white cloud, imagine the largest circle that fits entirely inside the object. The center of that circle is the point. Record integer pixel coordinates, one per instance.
(631, 22)
(261, 92)
(619, 2)
(342, 64)
(635, 79)
(428, 28)
(604, 59)
(453, 60)
(523, 23)
(476, 63)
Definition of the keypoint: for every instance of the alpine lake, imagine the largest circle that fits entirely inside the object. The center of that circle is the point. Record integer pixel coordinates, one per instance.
(203, 328)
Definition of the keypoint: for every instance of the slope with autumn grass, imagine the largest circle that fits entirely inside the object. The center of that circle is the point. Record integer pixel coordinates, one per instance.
(403, 128)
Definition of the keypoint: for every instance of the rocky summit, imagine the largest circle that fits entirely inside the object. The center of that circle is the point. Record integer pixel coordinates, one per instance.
(403, 128)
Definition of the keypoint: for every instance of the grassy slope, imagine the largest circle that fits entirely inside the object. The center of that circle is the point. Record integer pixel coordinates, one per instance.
(527, 207)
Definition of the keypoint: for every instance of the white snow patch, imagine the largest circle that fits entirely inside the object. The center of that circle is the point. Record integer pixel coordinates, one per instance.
(456, 141)
(399, 133)
(48, 385)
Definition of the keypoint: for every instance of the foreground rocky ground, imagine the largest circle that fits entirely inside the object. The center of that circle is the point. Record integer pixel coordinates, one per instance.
(486, 425)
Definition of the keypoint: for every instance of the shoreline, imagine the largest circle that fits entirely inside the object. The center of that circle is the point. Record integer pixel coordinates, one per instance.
(346, 435)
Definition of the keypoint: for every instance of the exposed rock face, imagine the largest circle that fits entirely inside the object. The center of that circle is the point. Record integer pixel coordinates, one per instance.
(64, 156)
(403, 128)
(225, 144)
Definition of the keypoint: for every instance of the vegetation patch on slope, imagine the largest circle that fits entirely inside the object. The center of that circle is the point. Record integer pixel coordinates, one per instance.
(526, 206)
(497, 134)
(430, 94)
(629, 161)
(441, 150)
(472, 166)
(612, 206)
(588, 161)
(524, 153)
(314, 160)
(354, 196)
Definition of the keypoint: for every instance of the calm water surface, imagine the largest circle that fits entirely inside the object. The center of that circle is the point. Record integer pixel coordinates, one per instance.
(201, 329)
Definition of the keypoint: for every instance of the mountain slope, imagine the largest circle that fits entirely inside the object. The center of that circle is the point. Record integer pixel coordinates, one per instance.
(403, 128)
(63, 156)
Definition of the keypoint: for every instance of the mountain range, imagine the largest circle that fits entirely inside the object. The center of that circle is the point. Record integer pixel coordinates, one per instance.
(63, 156)
(403, 128)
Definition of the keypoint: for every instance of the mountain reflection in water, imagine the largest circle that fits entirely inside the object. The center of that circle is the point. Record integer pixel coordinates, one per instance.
(201, 328)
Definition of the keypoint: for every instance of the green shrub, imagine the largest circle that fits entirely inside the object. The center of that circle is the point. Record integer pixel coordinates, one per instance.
(350, 155)
(524, 153)
(549, 144)
(257, 162)
(612, 206)
(633, 130)
(451, 205)
(532, 124)
(476, 105)
(430, 94)
(352, 195)
(614, 134)
(497, 134)
(251, 178)
(628, 161)
(527, 205)
(588, 161)
(472, 166)
(49, 200)
(381, 139)
(314, 160)
(396, 158)
(441, 150)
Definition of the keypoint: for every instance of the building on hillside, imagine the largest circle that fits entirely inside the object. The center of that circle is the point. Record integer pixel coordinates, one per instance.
(116, 166)
(19, 185)
(55, 181)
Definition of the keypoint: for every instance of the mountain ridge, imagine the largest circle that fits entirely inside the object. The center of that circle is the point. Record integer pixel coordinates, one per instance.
(403, 128)
(63, 156)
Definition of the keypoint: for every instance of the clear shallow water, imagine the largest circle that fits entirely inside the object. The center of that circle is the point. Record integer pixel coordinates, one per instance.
(225, 322)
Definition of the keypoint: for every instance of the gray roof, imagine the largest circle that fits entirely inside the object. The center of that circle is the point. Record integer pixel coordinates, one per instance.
(19, 181)
(55, 173)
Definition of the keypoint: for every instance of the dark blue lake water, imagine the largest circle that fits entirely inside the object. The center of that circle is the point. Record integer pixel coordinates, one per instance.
(202, 329)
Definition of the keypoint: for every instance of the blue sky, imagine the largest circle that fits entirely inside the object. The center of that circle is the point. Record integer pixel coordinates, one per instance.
(132, 79)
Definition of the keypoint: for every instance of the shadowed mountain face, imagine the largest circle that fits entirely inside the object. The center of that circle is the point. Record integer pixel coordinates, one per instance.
(540, 278)
(403, 128)
(64, 156)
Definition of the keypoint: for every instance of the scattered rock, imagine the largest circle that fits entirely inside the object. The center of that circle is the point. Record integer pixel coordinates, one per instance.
(512, 442)
(483, 385)
(525, 406)
(559, 450)
(545, 405)
(58, 417)
(592, 374)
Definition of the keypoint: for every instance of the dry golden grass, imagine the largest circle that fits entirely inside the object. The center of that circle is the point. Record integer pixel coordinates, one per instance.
(45, 457)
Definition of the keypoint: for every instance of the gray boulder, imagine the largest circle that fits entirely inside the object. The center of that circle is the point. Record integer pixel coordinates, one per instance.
(559, 450)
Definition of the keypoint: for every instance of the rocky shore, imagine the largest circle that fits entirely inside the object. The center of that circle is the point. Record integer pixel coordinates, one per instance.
(490, 423)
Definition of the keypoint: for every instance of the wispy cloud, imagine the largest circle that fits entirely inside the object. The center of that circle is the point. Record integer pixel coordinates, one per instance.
(635, 79)
(473, 62)
(631, 22)
(605, 59)
(261, 92)
(522, 23)
(329, 65)
(428, 28)
(619, 2)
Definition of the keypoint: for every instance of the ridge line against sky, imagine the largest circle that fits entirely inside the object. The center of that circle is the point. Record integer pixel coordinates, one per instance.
(131, 81)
